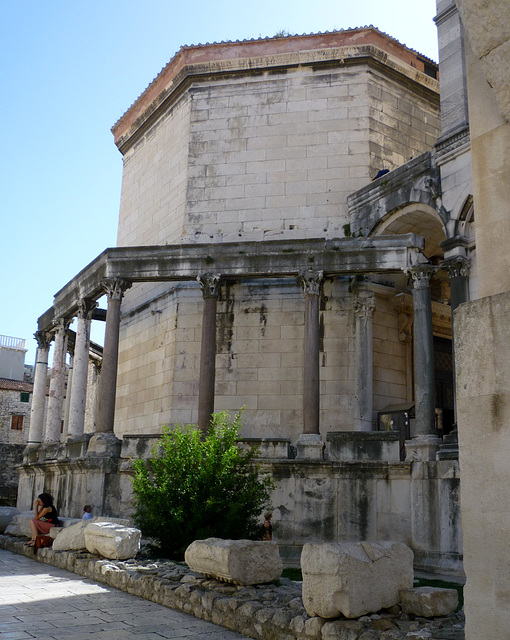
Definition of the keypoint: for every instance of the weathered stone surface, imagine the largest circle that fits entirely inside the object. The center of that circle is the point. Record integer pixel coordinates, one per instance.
(6, 516)
(239, 561)
(73, 537)
(20, 524)
(429, 602)
(112, 540)
(354, 578)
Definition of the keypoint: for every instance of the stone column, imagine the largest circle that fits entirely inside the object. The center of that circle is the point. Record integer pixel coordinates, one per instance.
(35, 434)
(364, 305)
(310, 444)
(425, 442)
(108, 381)
(210, 291)
(69, 388)
(56, 398)
(457, 268)
(81, 366)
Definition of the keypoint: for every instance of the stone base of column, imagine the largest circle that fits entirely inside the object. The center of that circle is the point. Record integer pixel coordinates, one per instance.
(31, 453)
(310, 447)
(104, 445)
(422, 448)
(77, 446)
(50, 451)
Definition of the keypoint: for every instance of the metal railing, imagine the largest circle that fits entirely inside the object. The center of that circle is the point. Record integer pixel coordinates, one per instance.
(12, 343)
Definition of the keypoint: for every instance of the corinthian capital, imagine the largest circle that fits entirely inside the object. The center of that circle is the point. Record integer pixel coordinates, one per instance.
(364, 304)
(43, 338)
(210, 285)
(86, 308)
(311, 281)
(456, 267)
(115, 287)
(421, 275)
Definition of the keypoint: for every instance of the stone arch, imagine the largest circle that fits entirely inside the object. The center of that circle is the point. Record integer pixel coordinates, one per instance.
(418, 218)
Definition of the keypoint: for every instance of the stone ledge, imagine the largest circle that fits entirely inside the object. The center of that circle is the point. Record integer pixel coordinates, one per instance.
(261, 612)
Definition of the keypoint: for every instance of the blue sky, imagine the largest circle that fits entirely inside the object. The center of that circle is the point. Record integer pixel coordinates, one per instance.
(69, 70)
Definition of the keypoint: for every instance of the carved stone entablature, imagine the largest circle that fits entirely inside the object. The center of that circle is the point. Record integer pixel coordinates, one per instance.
(441, 317)
(115, 287)
(456, 267)
(210, 285)
(311, 281)
(454, 144)
(418, 181)
(364, 304)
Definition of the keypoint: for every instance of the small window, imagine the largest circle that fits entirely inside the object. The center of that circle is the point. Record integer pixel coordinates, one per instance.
(24, 397)
(17, 423)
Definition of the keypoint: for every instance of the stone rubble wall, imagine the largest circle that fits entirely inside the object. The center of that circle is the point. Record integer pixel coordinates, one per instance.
(265, 612)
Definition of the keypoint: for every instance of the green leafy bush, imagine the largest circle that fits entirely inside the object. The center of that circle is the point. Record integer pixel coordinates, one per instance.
(196, 487)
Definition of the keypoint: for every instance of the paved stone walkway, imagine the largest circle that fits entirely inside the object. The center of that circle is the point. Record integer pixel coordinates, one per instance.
(41, 601)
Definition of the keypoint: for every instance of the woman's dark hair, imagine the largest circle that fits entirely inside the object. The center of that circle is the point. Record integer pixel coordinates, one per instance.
(46, 499)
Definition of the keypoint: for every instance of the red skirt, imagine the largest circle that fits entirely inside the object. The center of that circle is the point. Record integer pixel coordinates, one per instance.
(42, 526)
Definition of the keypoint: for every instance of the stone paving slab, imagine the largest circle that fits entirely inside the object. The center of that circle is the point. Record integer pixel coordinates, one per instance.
(42, 601)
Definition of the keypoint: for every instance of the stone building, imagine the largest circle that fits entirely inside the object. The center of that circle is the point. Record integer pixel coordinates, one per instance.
(295, 229)
(15, 401)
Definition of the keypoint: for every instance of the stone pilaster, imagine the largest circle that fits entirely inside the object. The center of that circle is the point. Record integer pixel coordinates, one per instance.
(35, 435)
(58, 373)
(423, 342)
(310, 444)
(105, 413)
(210, 291)
(363, 305)
(78, 394)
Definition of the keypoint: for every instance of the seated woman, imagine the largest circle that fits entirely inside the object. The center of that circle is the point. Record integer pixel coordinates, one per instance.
(45, 517)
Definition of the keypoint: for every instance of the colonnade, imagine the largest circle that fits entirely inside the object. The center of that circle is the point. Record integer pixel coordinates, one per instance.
(309, 445)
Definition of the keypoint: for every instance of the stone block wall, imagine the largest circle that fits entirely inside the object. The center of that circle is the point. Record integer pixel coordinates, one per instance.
(11, 455)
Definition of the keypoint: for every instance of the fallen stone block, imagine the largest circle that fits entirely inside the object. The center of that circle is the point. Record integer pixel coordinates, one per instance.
(112, 540)
(354, 578)
(242, 562)
(73, 537)
(429, 602)
(20, 524)
(6, 515)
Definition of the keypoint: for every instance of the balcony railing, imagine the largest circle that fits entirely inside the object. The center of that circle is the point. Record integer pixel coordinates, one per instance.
(12, 343)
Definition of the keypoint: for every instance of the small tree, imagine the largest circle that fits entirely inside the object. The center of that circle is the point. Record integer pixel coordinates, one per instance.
(196, 487)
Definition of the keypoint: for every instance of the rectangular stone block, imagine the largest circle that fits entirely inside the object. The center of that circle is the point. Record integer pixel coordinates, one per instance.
(354, 578)
(239, 561)
(429, 602)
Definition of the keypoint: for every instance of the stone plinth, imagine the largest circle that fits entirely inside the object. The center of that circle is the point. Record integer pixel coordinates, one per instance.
(272, 448)
(354, 578)
(238, 561)
(348, 446)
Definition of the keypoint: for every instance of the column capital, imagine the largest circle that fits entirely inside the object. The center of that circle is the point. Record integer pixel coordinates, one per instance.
(210, 285)
(363, 304)
(60, 325)
(311, 281)
(115, 287)
(43, 338)
(456, 267)
(86, 308)
(421, 275)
